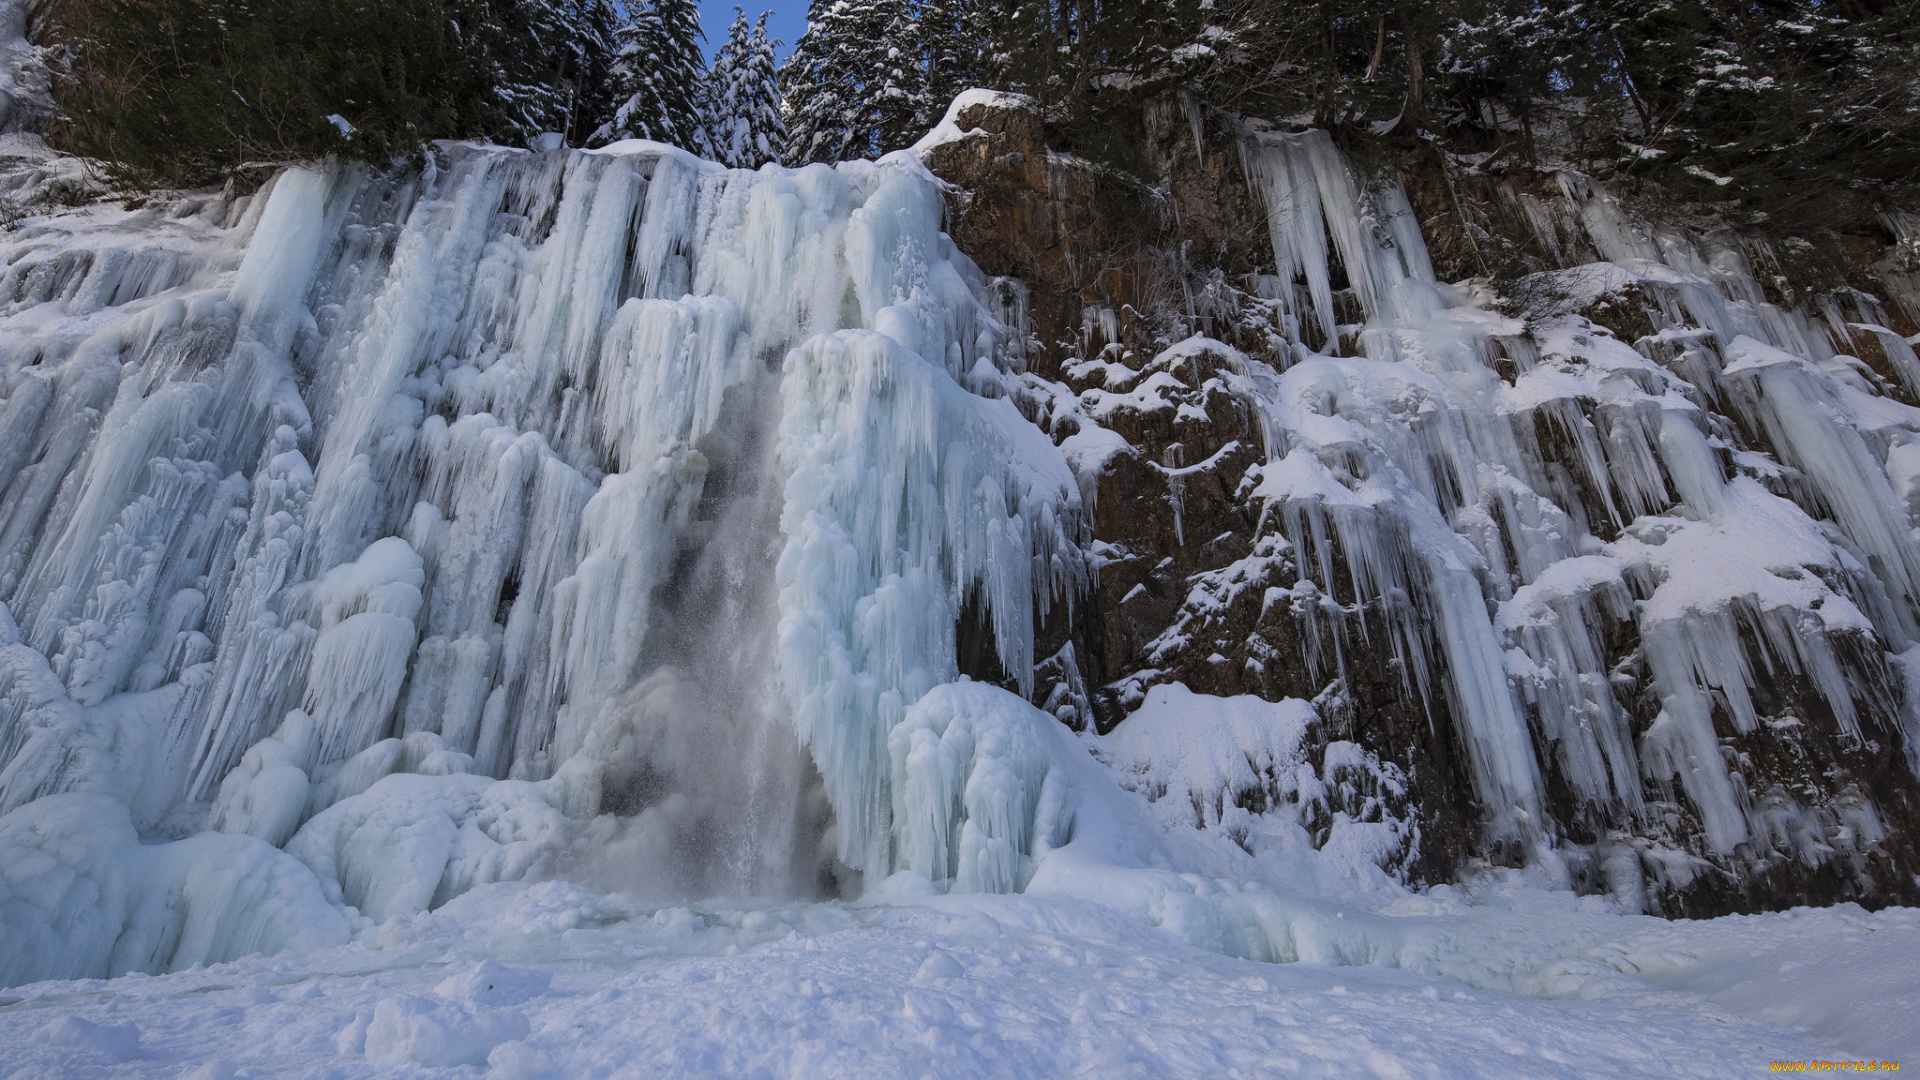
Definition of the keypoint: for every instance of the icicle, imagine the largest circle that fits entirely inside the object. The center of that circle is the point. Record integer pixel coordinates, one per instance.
(1294, 224)
(907, 495)
(1195, 123)
(364, 611)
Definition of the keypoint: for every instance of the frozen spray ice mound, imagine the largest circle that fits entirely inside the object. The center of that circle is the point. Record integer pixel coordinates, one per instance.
(81, 894)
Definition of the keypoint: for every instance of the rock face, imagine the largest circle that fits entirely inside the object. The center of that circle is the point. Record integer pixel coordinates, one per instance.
(1579, 462)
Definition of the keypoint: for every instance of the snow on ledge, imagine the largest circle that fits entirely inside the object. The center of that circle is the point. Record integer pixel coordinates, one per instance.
(948, 129)
(647, 148)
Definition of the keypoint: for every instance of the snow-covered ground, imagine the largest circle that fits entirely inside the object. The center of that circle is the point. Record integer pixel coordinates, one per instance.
(525, 981)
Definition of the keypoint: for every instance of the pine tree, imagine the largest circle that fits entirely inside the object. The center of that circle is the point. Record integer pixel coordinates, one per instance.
(856, 84)
(742, 92)
(959, 39)
(657, 77)
(182, 93)
(716, 93)
(902, 106)
(583, 63)
(550, 64)
(825, 112)
(759, 98)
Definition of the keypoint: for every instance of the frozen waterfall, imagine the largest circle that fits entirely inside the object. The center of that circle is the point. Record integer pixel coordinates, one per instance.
(522, 515)
(611, 516)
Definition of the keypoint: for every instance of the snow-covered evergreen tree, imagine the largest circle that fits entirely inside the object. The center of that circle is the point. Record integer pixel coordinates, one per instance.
(742, 97)
(583, 59)
(902, 105)
(959, 38)
(759, 97)
(570, 50)
(714, 96)
(856, 84)
(821, 82)
(658, 77)
(547, 64)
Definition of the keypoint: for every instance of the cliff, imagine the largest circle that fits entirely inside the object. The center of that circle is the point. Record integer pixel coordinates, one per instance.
(1602, 552)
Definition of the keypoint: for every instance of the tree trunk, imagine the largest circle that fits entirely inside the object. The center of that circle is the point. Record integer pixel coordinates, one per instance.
(1414, 111)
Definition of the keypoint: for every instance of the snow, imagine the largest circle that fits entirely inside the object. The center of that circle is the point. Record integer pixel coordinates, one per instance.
(1217, 748)
(416, 1031)
(411, 841)
(1004, 986)
(1108, 961)
(114, 1042)
(948, 129)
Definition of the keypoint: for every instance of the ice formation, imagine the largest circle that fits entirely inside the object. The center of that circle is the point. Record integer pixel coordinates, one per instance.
(377, 538)
(420, 524)
(1414, 447)
(26, 83)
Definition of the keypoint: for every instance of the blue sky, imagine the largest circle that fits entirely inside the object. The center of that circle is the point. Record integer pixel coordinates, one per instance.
(788, 22)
